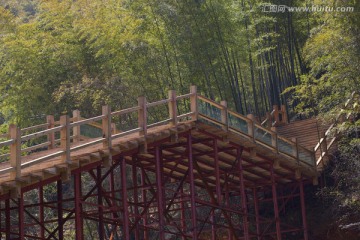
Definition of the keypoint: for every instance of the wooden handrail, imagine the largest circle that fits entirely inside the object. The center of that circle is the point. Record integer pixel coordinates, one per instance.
(211, 102)
(325, 139)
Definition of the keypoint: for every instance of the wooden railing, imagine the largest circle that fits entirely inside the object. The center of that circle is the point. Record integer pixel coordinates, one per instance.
(219, 115)
(276, 117)
(64, 136)
(329, 137)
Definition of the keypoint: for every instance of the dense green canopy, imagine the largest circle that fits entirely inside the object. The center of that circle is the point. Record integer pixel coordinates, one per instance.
(60, 55)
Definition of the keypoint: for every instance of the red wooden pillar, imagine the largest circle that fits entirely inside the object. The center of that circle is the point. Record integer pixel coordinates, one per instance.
(213, 225)
(60, 209)
(256, 209)
(100, 203)
(227, 204)
(136, 199)
(79, 231)
(21, 216)
(182, 216)
(126, 222)
(41, 212)
(275, 202)
(192, 188)
(112, 191)
(217, 172)
(144, 199)
(243, 197)
(1, 225)
(160, 190)
(303, 210)
(8, 217)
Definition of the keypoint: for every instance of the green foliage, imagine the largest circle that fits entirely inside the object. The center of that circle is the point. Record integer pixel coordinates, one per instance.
(81, 54)
(332, 54)
(340, 197)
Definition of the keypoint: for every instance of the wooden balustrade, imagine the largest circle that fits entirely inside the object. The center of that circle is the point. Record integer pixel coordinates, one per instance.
(252, 126)
(328, 138)
(70, 143)
(66, 125)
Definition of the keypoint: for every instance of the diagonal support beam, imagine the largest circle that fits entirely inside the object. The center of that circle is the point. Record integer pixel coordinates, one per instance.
(213, 198)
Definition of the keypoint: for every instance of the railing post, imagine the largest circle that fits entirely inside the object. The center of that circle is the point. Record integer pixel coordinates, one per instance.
(65, 138)
(276, 114)
(142, 116)
(51, 136)
(224, 115)
(106, 129)
(76, 129)
(251, 126)
(15, 151)
(274, 139)
(269, 120)
(193, 103)
(323, 145)
(172, 107)
(106, 125)
(284, 119)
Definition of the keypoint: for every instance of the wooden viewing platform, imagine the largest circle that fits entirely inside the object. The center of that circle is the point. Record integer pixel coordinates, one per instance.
(200, 171)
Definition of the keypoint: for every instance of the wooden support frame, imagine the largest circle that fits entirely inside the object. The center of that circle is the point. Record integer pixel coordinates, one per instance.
(184, 162)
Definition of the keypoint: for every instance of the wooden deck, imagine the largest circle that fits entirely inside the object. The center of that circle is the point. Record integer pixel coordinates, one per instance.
(308, 132)
(321, 137)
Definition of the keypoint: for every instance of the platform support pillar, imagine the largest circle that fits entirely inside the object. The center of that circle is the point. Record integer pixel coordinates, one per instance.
(160, 195)
(183, 216)
(78, 207)
(275, 202)
(60, 209)
(243, 197)
(21, 217)
(192, 188)
(303, 210)
(41, 211)
(144, 200)
(213, 227)
(100, 203)
(256, 209)
(227, 204)
(7, 216)
(217, 172)
(136, 198)
(126, 223)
